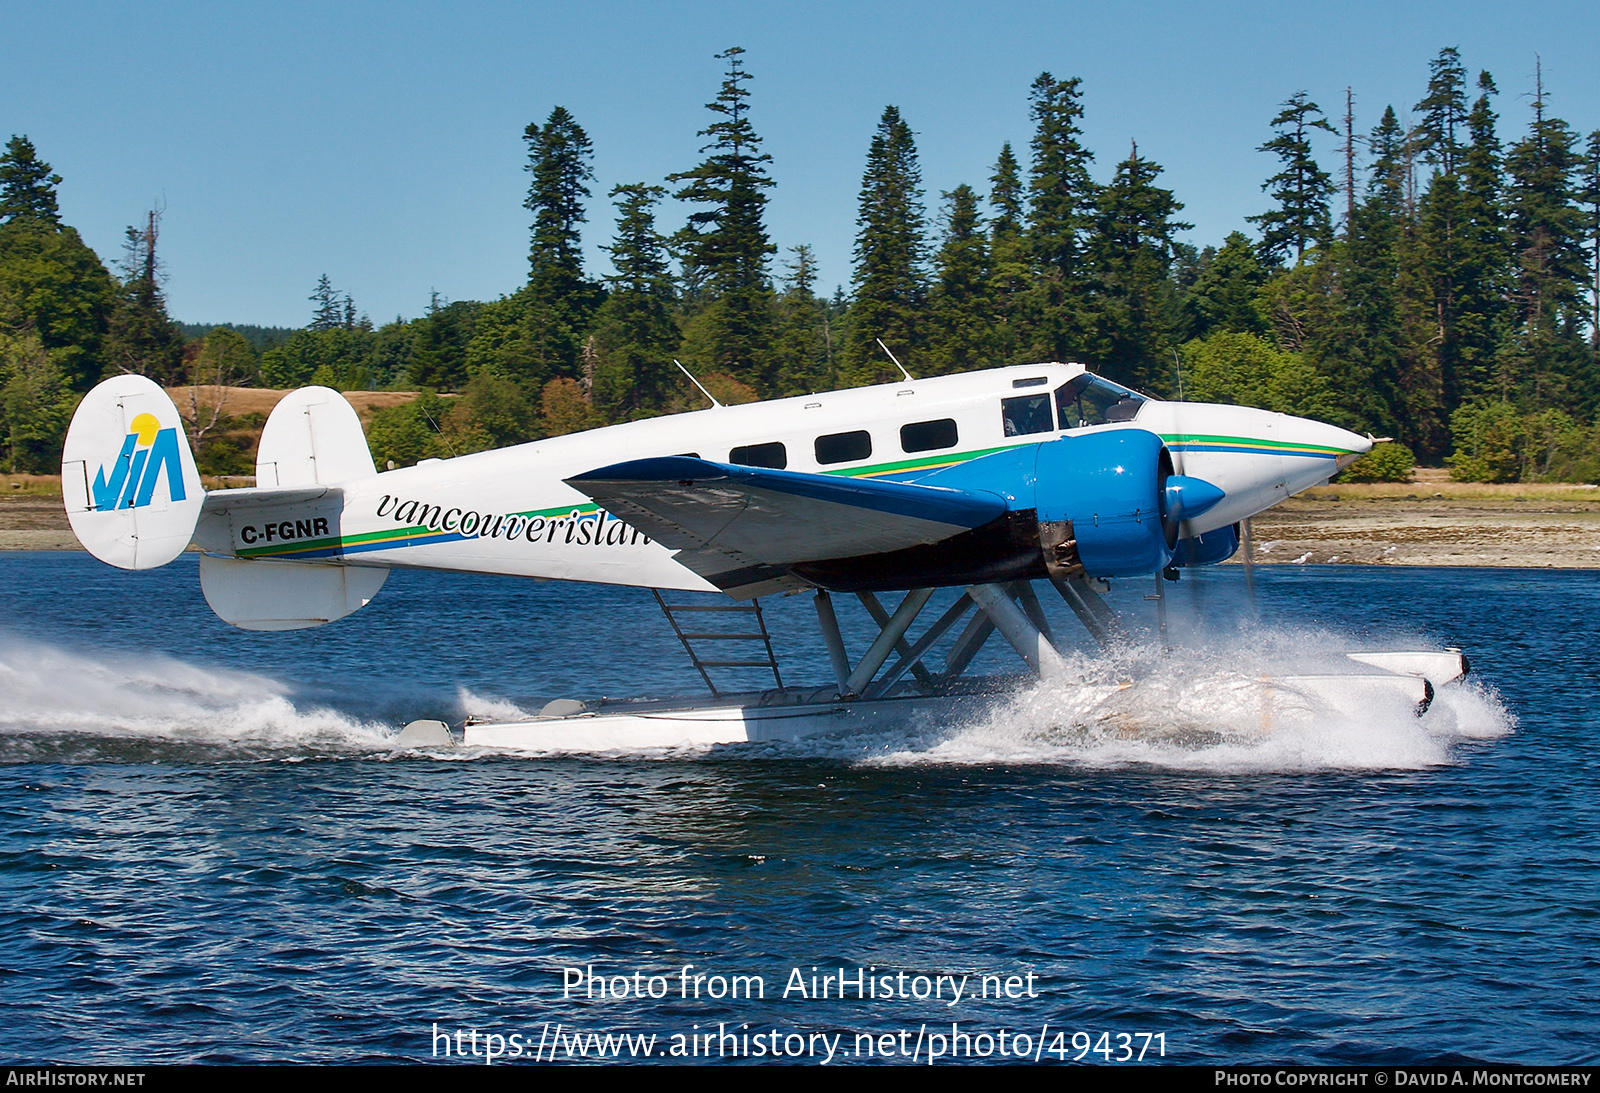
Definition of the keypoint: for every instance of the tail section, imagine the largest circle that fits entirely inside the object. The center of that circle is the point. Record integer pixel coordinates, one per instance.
(134, 499)
(128, 479)
(312, 441)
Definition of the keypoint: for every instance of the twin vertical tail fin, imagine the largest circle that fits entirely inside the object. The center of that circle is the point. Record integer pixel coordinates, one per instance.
(128, 479)
(134, 499)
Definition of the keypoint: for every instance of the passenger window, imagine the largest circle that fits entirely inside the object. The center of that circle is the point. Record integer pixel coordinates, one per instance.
(844, 447)
(928, 436)
(1027, 414)
(772, 455)
(1032, 381)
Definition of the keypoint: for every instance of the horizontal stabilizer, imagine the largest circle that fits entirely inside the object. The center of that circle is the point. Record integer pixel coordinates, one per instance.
(273, 595)
(739, 526)
(128, 480)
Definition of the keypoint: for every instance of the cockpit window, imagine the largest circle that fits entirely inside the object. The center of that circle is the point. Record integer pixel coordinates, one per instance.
(1090, 400)
(1027, 414)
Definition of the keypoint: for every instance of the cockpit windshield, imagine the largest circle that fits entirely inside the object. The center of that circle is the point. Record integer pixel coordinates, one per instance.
(1090, 400)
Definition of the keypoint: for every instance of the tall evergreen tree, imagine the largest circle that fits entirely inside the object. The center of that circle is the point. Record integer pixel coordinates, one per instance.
(1590, 197)
(559, 158)
(960, 337)
(27, 185)
(890, 282)
(1548, 239)
(724, 245)
(331, 307)
(1443, 110)
(1061, 213)
(1483, 286)
(1010, 264)
(1301, 188)
(1005, 195)
(1131, 252)
(1061, 195)
(635, 334)
(558, 301)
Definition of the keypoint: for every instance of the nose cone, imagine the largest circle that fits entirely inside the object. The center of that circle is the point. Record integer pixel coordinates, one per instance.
(1190, 497)
(1315, 451)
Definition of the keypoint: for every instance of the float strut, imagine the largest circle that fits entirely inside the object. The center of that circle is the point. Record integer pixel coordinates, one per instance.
(893, 631)
(920, 649)
(881, 617)
(1018, 629)
(968, 643)
(1023, 591)
(1097, 618)
(832, 638)
(1247, 544)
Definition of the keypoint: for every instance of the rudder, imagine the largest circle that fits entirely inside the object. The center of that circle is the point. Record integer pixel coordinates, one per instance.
(128, 480)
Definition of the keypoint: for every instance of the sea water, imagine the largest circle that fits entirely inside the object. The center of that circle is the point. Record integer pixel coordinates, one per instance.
(212, 850)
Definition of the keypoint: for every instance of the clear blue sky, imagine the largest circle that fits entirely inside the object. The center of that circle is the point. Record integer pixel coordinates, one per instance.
(381, 143)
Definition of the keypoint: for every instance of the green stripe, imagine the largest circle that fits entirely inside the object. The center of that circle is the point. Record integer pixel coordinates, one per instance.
(1254, 442)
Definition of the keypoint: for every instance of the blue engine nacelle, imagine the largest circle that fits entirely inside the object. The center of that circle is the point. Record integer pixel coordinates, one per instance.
(1104, 497)
(1112, 500)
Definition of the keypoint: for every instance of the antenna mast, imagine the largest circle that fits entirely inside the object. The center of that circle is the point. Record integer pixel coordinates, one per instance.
(896, 360)
(698, 384)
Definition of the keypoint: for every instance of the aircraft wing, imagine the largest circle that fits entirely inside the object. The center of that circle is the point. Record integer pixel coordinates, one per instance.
(743, 528)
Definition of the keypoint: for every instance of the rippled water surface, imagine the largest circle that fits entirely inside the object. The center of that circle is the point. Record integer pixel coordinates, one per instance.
(211, 849)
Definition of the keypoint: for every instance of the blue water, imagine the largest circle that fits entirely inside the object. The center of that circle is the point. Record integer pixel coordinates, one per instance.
(211, 851)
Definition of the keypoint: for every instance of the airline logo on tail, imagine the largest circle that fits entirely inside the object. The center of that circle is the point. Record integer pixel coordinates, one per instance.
(146, 451)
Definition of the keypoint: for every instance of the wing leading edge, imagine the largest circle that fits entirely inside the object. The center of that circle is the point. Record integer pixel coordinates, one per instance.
(745, 528)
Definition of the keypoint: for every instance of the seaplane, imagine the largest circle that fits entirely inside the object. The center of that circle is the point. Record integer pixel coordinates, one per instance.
(992, 483)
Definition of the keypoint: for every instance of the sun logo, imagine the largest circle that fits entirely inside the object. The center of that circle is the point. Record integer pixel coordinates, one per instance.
(146, 450)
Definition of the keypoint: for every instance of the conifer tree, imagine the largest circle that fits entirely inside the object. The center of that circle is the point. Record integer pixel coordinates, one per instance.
(724, 245)
(635, 334)
(1010, 264)
(27, 185)
(1547, 230)
(1443, 111)
(330, 309)
(1131, 252)
(1223, 297)
(1483, 286)
(559, 158)
(960, 336)
(558, 301)
(890, 283)
(1590, 197)
(1061, 212)
(140, 336)
(1005, 195)
(802, 344)
(1301, 188)
(1061, 195)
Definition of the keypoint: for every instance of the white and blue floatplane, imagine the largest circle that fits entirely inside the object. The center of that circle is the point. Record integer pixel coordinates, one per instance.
(987, 481)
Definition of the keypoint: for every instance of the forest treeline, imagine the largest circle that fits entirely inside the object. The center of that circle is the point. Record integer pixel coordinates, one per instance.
(1431, 281)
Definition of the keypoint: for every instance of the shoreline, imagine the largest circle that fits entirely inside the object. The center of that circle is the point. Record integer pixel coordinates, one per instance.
(1428, 522)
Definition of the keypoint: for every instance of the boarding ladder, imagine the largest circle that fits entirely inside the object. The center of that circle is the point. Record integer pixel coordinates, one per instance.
(704, 620)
